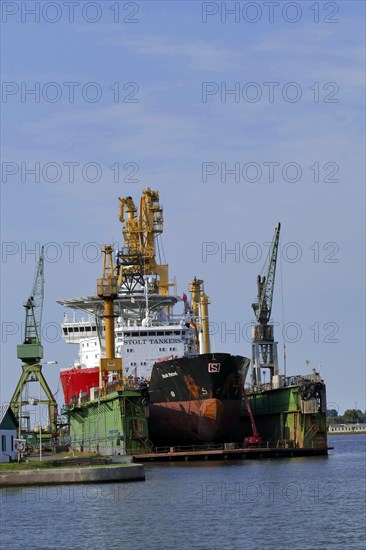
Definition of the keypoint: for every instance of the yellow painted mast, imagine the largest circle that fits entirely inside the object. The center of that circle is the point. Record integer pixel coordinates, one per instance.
(195, 290)
(205, 323)
(200, 303)
(107, 289)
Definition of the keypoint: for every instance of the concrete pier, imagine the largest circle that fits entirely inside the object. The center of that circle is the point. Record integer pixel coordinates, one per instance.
(90, 474)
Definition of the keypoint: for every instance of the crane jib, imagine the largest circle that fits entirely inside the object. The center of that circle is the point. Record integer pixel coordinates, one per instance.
(263, 307)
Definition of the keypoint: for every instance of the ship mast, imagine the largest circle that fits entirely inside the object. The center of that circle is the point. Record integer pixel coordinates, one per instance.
(107, 289)
(200, 303)
(264, 348)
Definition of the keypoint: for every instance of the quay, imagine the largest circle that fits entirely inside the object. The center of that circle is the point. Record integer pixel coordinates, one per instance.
(65, 475)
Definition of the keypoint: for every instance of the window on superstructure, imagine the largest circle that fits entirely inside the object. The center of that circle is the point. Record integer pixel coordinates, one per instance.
(88, 329)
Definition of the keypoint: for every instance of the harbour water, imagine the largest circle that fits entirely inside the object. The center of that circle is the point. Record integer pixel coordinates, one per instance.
(311, 503)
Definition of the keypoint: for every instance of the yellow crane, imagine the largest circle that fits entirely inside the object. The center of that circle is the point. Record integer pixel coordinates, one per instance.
(140, 229)
(107, 289)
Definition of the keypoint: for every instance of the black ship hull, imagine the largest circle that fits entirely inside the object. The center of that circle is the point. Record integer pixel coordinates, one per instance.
(196, 400)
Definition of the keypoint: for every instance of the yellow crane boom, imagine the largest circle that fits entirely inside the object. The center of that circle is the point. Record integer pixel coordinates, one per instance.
(140, 229)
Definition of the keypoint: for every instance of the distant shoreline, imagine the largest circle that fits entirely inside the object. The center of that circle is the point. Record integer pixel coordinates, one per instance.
(357, 432)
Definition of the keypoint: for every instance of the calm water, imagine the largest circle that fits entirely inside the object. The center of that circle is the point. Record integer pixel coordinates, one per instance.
(305, 504)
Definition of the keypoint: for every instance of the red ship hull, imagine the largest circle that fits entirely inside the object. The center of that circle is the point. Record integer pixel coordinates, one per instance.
(77, 380)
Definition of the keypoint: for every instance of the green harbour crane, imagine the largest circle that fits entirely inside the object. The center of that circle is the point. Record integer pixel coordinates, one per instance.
(30, 351)
(264, 348)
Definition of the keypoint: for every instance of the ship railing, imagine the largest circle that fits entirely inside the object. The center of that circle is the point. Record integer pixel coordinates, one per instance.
(287, 381)
(112, 387)
(76, 401)
(92, 443)
(169, 323)
(259, 387)
(188, 448)
(175, 321)
(283, 444)
(75, 320)
(299, 379)
(220, 446)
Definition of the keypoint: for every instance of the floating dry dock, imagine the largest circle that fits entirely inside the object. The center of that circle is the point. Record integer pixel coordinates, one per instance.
(233, 453)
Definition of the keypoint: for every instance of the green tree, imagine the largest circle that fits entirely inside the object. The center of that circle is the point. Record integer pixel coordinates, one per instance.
(352, 416)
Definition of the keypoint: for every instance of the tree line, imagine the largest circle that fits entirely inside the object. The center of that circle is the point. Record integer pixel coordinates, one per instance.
(350, 416)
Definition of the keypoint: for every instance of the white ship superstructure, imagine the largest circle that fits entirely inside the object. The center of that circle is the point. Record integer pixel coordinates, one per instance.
(146, 331)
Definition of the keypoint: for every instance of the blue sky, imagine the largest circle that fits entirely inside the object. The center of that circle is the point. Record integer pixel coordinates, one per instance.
(166, 131)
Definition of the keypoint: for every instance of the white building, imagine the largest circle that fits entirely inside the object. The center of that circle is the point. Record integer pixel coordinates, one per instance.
(8, 432)
(346, 428)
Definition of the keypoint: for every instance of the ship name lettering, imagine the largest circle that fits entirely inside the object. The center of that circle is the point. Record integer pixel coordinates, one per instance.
(137, 341)
(169, 374)
(164, 340)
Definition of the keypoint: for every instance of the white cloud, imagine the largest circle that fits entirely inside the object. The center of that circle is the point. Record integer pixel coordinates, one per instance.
(198, 54)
